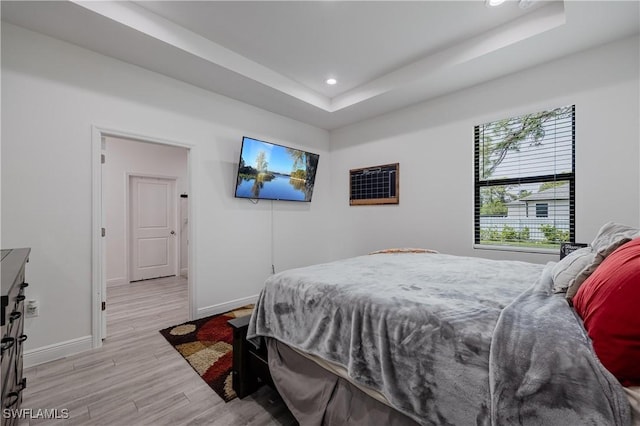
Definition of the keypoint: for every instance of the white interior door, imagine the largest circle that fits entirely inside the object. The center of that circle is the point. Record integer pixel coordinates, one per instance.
(153, 228)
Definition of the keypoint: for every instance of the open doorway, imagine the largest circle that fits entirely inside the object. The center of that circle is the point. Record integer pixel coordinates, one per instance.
(145, 231)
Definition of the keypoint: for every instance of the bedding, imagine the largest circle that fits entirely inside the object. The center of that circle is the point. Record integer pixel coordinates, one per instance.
(567, 271)
(419, 329)
(610, 236)
(317, 395)
(608, 304)
(633, 393)
(543, 367)
(403, 250)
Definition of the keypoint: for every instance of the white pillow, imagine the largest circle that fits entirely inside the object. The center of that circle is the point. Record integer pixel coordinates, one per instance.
(611, 236)
(567, 270)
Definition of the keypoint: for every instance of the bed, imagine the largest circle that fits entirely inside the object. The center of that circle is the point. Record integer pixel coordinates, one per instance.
(432, 339)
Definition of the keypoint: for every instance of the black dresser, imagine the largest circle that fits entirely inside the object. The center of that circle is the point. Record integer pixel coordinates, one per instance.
(13, 289)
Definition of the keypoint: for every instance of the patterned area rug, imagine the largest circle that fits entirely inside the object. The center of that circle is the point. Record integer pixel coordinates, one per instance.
(206, 344)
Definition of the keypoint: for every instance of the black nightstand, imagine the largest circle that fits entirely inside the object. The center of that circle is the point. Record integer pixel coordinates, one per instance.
(567, 248)
(250, 363)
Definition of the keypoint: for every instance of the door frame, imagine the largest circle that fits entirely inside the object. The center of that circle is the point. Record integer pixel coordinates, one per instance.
(127, 230)
(98, 243)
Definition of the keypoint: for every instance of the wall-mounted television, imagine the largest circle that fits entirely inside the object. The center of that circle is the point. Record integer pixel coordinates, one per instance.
(274, 172)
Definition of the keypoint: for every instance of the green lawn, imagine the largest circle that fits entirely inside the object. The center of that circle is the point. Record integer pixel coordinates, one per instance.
(528, 244)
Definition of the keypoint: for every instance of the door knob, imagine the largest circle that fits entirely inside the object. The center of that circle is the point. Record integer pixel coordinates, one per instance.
(173, 232)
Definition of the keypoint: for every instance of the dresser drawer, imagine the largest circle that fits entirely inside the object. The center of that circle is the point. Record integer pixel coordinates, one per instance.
(8, 367)
(13, 337)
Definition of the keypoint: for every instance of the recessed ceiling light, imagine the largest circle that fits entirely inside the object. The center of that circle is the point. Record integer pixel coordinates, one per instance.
(526, 4)
(331, 81)
(492, 3)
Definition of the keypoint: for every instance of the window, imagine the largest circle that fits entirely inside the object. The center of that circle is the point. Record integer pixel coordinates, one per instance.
(542, 210)
(525, 181)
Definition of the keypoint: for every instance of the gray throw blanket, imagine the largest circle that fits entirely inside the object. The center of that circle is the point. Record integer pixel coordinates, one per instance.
(416, 327)
(543, 370)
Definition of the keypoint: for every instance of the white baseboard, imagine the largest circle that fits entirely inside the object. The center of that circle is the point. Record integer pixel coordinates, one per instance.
(224, 307)
(48, 353)
(117, 281)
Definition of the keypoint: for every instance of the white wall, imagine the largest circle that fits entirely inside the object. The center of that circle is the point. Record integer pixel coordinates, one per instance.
(52, 95)
(433, 142)
(125, 158)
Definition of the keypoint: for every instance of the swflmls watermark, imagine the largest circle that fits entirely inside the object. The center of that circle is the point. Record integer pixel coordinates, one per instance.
(36, 413)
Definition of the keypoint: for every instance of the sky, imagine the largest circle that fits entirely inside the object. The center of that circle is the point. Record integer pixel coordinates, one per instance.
(278, 160)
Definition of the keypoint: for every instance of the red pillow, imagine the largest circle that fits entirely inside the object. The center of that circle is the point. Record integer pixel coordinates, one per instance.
(609, 304)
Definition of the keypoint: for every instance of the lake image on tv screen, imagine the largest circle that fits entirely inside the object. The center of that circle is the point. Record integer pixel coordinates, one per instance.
(275, 172)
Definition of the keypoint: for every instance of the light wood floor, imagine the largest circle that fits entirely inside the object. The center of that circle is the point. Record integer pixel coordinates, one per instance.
(137, 378)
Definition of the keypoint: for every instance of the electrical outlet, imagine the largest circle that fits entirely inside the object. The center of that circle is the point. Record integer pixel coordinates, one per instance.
(32, 309)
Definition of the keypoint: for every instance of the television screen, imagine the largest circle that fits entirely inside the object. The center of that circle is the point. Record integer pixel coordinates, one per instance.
(275, 172)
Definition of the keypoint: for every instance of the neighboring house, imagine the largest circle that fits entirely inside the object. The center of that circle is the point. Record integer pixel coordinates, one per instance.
(548, 207)
(542, 204)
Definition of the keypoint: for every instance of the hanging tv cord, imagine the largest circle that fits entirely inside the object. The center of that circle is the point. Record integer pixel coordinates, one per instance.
(273, 268)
